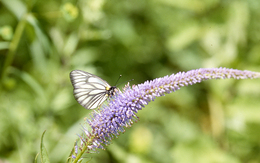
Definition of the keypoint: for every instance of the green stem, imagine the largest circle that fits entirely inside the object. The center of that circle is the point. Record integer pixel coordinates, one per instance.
(83, 150)
(14, 45)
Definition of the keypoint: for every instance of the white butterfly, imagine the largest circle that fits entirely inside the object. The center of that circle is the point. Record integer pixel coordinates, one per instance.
(90, 90)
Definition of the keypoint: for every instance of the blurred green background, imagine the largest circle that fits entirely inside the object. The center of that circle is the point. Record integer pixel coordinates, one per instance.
(216, 121)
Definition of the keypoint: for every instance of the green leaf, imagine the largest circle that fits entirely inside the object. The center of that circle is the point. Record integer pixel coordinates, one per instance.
(4, 45)
(32, 82)
(44, 154)
(36, 157)
(18, 8)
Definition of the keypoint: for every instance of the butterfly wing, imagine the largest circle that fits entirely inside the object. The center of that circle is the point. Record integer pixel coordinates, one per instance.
(89, 90)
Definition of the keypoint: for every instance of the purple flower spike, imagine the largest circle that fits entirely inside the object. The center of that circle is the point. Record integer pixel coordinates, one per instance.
(108, 122)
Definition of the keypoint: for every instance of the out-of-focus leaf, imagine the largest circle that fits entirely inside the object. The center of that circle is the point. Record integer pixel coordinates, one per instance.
(36, 157)
(192, 5)
(183, 38)
(123, 29)
(38, 57)
(44, 154)
(17, 7)
(71, 44)
(69, 11)
(36, 87)
(84, 57)
(201, 150)
(6, 32)
(62, 100)
(141, 140)
(9, 83)
(4, 45)
(41, 36)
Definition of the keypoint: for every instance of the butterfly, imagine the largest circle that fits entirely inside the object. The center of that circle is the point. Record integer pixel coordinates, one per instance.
(90, 90)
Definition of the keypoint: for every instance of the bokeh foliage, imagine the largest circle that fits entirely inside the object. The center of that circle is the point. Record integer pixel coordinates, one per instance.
(42, 41)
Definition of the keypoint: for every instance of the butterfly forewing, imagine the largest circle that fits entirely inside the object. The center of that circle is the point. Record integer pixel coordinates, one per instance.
(89, 90)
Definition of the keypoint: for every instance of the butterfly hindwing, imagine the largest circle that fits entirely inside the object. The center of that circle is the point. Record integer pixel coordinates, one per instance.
(89, 90)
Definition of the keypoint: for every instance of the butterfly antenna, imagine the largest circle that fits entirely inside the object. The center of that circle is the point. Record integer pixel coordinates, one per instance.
(118, 79)
(125, 81)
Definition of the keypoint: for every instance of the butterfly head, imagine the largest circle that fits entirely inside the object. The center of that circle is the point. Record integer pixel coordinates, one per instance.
(111, 91)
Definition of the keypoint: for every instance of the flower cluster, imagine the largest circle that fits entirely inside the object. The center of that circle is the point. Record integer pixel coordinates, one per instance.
(109, 121)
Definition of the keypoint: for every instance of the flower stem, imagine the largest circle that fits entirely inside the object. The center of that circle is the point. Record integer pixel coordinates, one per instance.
(82, 151)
